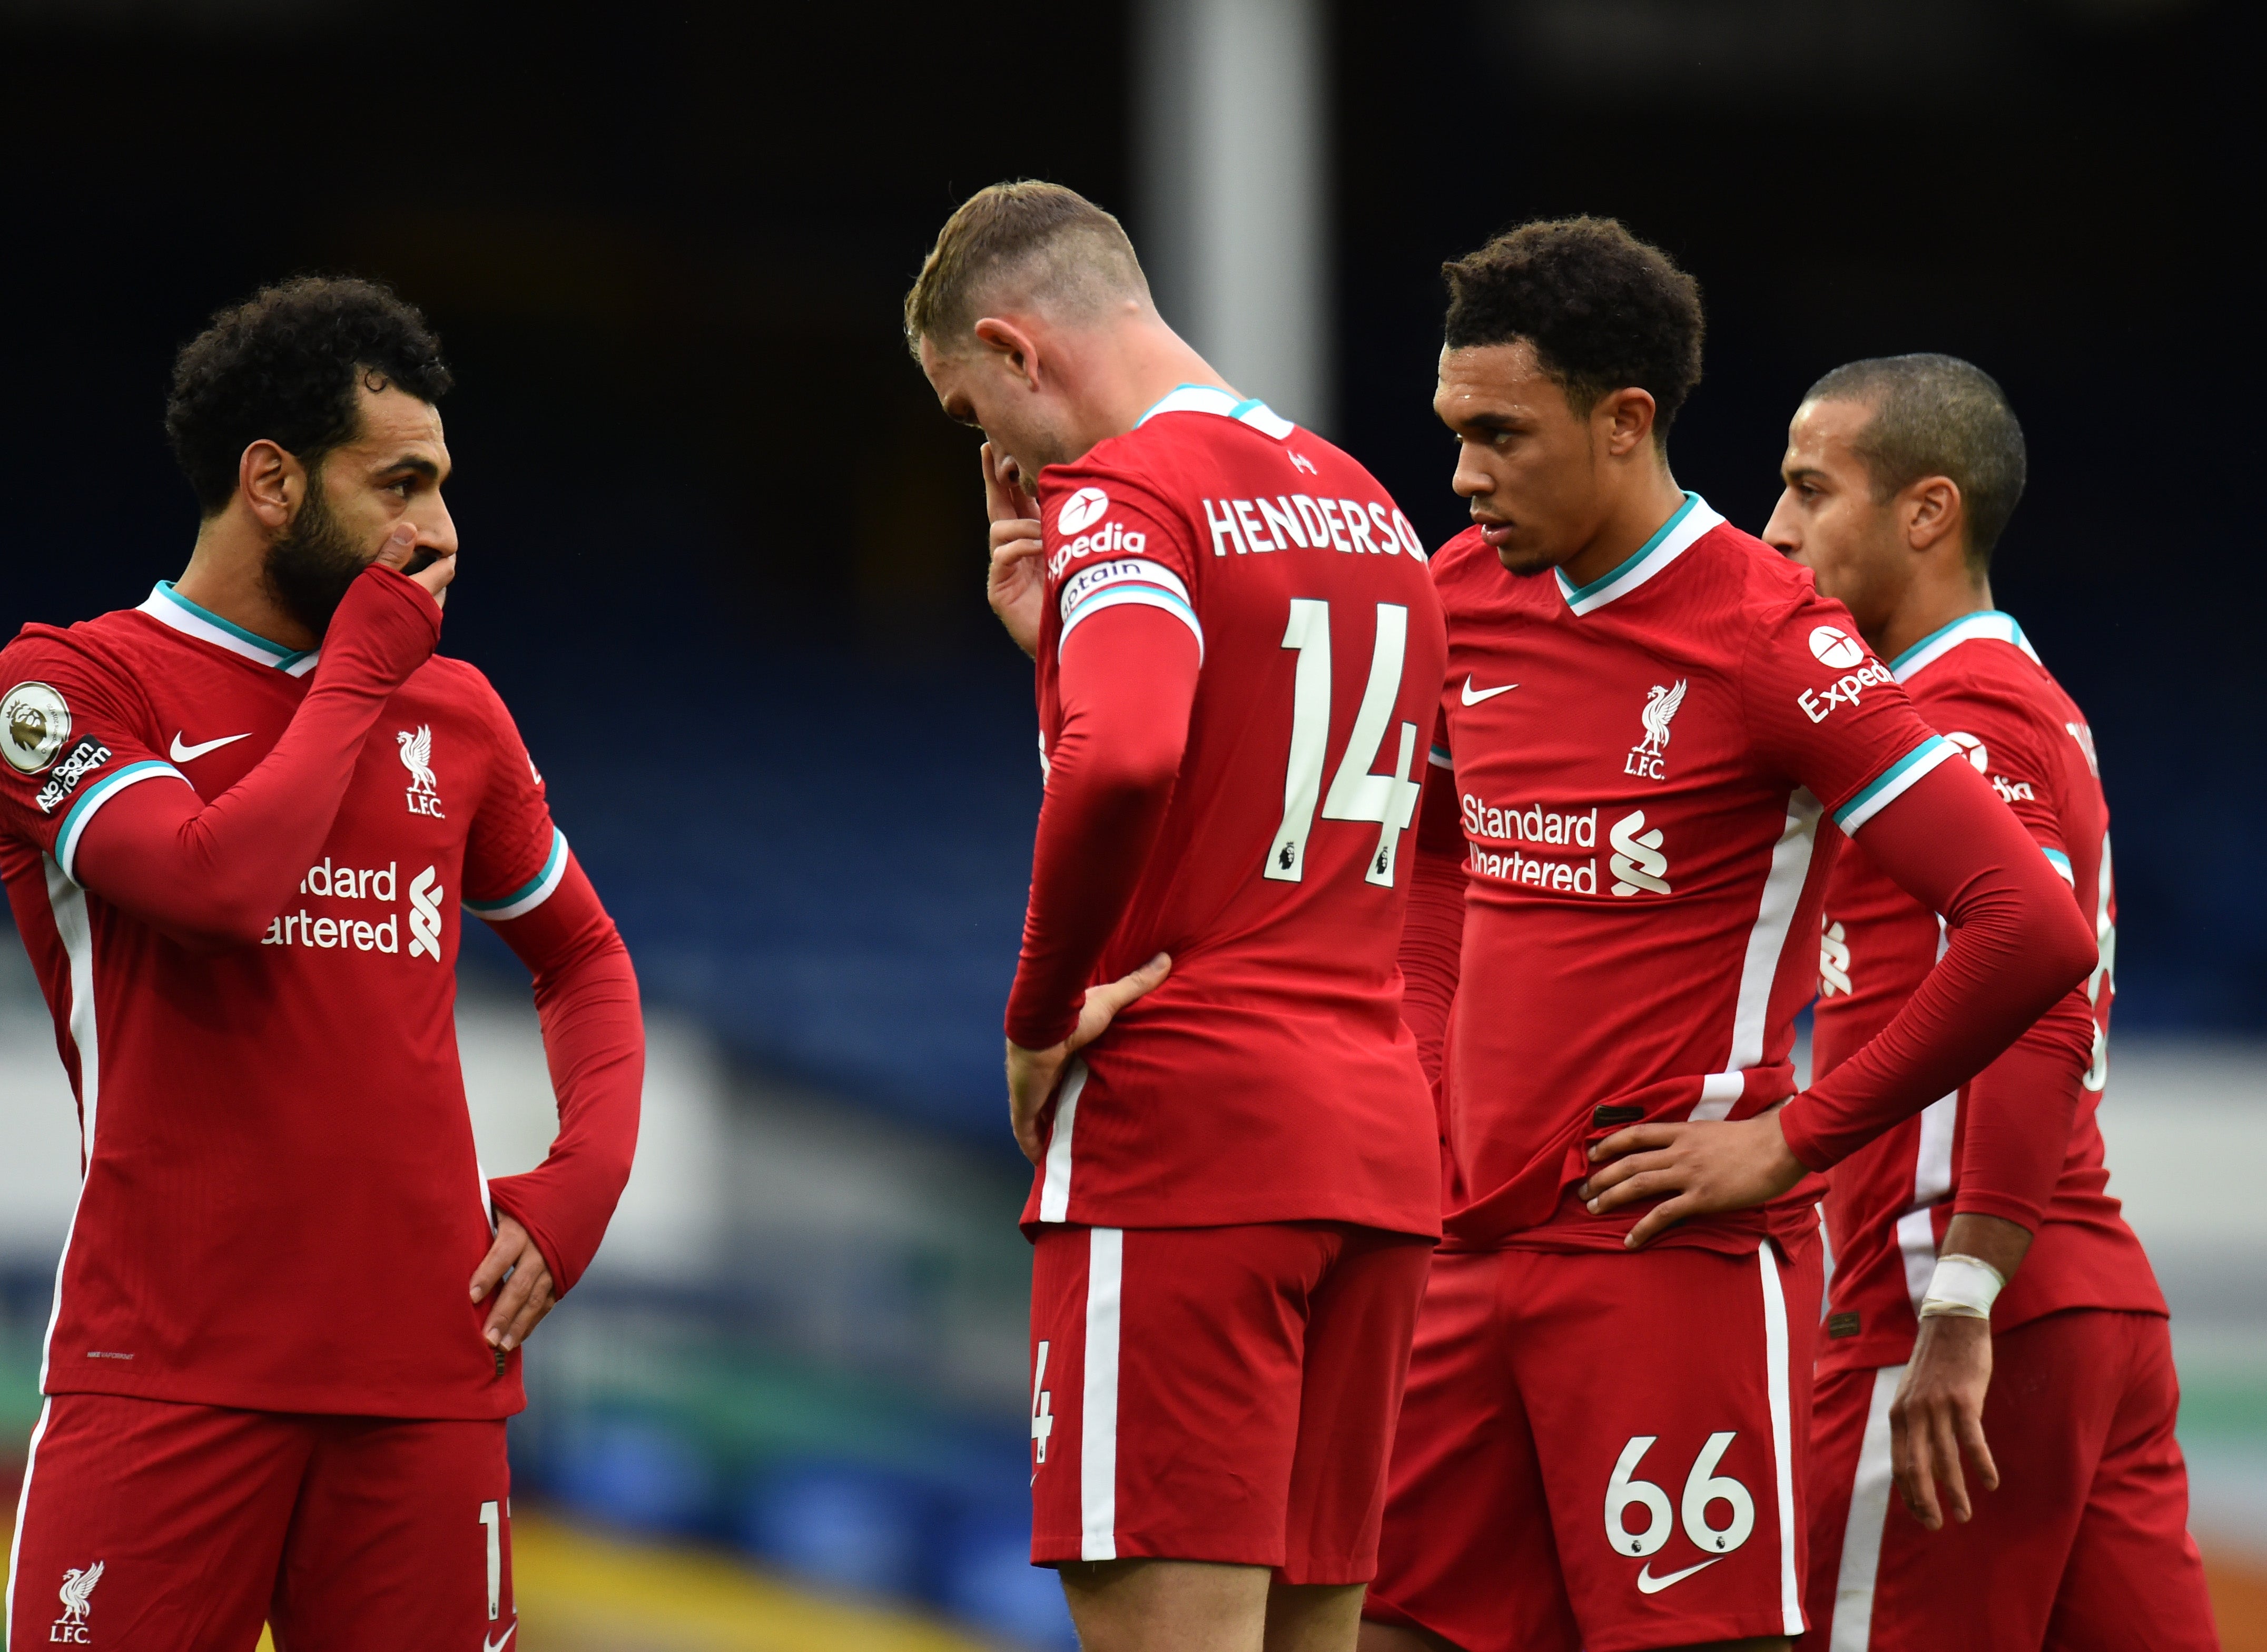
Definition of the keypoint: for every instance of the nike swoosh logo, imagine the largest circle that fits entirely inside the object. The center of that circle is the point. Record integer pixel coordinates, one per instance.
(1471, 699)
(1648, 1584)
(497, 1646)
(183, 753)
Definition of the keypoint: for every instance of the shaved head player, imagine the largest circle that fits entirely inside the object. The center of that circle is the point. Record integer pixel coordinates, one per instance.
(1988, 1297)
(241, 826)
(1237, 1183)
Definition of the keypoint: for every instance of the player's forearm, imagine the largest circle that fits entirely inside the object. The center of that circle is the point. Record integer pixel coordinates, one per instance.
(2017, 945)
(218, 872)
(2016, 1118)
(1432, 952)
(586, 996)
(1128, 679)
(1990, 1239)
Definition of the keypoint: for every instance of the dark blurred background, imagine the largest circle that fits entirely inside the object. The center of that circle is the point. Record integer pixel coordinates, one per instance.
(725, 558)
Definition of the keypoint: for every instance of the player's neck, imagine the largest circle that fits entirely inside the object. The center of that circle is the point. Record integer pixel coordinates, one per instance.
(1146, 360)
(1647, 500)
(224, 577)
(1928, 605)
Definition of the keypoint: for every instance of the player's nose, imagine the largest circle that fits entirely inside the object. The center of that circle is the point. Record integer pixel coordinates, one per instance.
(436, 530)
(1470, 480)
(1779, 533)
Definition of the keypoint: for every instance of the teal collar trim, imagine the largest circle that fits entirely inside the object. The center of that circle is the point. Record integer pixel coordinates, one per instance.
(170, 608)
(1668, 543)
(1211, 399)
(1988, 624)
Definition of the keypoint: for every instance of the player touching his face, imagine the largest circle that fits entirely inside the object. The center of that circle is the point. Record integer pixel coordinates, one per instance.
(240, 827)
(1236, 1185)
(1901, 475)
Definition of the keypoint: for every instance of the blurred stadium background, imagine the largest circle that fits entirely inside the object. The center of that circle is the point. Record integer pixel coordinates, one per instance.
(726, 563)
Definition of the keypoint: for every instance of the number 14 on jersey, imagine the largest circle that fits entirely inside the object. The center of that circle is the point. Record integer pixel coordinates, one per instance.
(1356, 794)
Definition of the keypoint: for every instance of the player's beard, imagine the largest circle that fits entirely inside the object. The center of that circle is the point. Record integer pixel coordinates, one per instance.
(310, 567)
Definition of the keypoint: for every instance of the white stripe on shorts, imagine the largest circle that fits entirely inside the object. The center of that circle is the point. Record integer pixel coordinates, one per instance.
(1097, 1443)
(1869, 1513)
(23, 1507)
(1777, 1385)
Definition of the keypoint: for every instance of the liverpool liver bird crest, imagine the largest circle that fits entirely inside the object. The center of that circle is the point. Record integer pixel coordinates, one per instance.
(417, 757)
(78, 1585)
(1660, 706)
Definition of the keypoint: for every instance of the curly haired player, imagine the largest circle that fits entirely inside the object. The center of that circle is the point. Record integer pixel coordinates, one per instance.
(1649, 714)
(239, 827)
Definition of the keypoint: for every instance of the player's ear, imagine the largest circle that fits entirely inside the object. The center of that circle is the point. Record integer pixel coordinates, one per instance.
(1012, 347)
(270, 481)
(1627, 414)
(1933, 512)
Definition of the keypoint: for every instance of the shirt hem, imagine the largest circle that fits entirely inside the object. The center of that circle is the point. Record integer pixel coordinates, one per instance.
(1087, 1214)
(510, 1400)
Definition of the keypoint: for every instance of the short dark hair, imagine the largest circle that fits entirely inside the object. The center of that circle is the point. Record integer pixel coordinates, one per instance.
(284, 367)
(1054, 236)
(1604, 310)
(1937, 416)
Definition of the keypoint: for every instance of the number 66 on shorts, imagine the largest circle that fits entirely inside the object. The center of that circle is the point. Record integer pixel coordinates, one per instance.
(1702, 1487)
(1604, 1451)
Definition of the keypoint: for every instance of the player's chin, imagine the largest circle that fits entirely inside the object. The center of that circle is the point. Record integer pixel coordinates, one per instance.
(1522, 559)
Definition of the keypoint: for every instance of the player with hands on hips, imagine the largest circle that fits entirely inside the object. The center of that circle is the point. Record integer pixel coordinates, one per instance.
(1236, 1190)
(1649, 720)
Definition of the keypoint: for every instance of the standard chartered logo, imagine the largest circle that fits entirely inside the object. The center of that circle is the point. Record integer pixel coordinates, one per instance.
(1637, 862)
(1833, 960)
(361, 890)
(425, 915)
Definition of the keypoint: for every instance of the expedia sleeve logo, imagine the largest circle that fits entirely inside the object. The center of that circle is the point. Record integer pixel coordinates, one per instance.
(35, 722)
(85, 758)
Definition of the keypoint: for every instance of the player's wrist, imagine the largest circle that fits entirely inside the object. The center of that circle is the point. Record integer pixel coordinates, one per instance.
(1962, 1288)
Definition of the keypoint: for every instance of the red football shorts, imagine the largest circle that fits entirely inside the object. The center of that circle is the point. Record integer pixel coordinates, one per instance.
(1600, 1451)
(146, 1526)
(1218, 1394)
(2085, 1548)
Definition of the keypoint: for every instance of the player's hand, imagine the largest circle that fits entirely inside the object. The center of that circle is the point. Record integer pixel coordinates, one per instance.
(399, 552)
(1693, 1169)
(1032, 1075)
(1939, 1413)
(526, 1295)
(1017, 588)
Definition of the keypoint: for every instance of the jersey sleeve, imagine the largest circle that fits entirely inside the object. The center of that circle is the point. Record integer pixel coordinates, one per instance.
(1432, 930)
(514, 855)
(1829, 715)
(2001, 738)
(1111, 542)
(71, 738)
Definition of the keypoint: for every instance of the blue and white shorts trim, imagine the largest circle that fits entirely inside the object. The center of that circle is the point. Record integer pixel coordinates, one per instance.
(1894, 782)
(98, 793)
(531, 894)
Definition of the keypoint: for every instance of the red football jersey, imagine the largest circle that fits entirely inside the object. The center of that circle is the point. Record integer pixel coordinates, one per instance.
(1642, 765)
(1270, 1077)
(1979, 681)
(263, 1126)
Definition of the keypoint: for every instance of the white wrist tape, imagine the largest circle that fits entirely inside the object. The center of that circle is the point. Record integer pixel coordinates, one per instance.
(1962, 1286)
